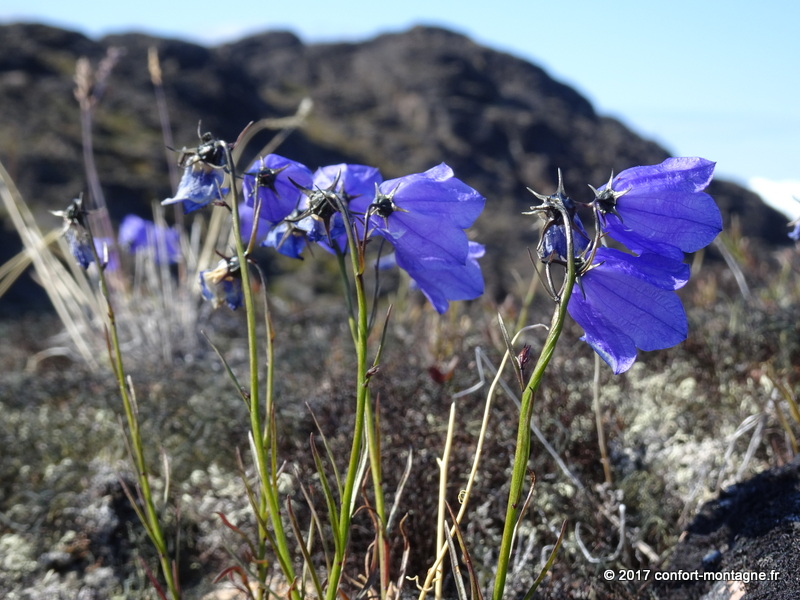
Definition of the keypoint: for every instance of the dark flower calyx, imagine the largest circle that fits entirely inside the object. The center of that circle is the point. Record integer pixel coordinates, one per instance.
(383, 205)
(211, 152)
(233, 266)
(553, 206)
(323, 204)
(606, 200)
(267, 176)
(75, 213)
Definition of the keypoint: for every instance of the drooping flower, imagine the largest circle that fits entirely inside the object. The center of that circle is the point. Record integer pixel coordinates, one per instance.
(80, 247)
(273, 180)
(661, 208)
(424, 215)
(200, 185)
(141, 235)
(626, 302)
(223, 284)
(75, 231)
(201, 182)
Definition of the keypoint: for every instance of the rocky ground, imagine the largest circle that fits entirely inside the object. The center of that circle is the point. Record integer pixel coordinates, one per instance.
(700, 441)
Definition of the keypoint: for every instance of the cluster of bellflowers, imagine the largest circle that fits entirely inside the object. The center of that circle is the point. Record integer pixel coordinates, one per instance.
(625, 295)
(136, 235)
(287, 206)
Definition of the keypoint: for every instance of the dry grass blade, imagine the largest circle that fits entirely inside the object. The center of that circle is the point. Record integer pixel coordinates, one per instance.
(328, 451)
(308, 565)
(399, 491)
(61, 286)
(510, 349)
(525, 505)
(475, 591)
(239, 388)
(451, 547)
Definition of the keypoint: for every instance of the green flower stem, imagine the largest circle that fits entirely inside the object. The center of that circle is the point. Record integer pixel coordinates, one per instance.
(522, 453)
(267, 475)
(374, 449)
(149, 517)
(360, 330)
(348, 295)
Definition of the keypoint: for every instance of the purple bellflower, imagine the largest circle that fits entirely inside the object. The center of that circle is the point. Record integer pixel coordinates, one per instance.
(80, 248)
(625, 302)
(424, 215)
(75, 231)
(223, 284)
(141, 235)
(351, 182)
(661, 208)
(200, 185)
(287, 237)
(317, 217)
(203, 175)
(553, 245)
(273, 180)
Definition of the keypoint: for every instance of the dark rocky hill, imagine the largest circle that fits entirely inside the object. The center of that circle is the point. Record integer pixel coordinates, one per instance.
(403, 102)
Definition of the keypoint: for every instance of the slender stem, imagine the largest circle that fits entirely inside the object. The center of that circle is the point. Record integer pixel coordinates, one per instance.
(440, 513)
(598, 419)
(267, 474)
(374, 449)
(348, 295)
(150, 516)
(361, 333)
(522, 452)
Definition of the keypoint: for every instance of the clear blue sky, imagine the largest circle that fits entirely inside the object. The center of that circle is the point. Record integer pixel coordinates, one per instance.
(718, 79)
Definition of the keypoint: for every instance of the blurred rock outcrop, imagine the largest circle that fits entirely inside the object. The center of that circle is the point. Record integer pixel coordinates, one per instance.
(403, 102)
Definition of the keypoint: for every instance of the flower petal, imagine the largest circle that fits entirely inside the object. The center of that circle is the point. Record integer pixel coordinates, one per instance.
(438, 195)
(220, 286)
(246, 224)
(425, 237)
(354, 181)
(622, 308)
(286, 239)
(199, 186)
(664, 207)
(272, 179)
(141, 235)
(441, 282)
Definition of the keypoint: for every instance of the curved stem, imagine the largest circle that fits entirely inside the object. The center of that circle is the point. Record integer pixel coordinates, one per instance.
(150, 518)
(522, 452)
